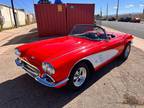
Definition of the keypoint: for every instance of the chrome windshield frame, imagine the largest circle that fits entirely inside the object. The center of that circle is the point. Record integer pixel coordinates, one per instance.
(93, 25)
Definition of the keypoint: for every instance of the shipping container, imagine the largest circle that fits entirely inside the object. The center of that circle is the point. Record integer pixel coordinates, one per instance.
(79, 14)
(51, 19)
(55, 19)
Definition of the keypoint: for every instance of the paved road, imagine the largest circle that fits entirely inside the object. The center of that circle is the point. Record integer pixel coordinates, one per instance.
(136, 29)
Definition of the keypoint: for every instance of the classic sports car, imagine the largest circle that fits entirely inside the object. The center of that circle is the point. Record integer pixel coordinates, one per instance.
(69, 60)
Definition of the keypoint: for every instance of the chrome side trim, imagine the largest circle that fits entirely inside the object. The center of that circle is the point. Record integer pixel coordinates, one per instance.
(93, 57)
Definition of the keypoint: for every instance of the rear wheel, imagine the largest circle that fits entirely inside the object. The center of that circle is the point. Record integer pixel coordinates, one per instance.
(79, 76)
(126, 51)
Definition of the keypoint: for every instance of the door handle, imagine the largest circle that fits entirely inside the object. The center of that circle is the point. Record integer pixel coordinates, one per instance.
(104, 47)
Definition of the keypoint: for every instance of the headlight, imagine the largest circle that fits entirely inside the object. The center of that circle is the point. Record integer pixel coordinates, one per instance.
(48, 68)
(17, 52)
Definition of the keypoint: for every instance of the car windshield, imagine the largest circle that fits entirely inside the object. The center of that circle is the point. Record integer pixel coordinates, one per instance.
(91, 32)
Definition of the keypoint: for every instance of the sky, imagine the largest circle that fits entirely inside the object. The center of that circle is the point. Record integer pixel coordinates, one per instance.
(126, 6)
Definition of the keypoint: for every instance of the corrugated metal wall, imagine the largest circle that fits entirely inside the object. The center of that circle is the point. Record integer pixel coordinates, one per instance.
(55, 19)
(51, 19)
(79, 14)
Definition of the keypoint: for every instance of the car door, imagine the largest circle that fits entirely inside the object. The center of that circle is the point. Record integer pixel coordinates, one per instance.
(114, 43)
(109, 50)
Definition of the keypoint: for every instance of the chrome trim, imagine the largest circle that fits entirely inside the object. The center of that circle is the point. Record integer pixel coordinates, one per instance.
(17, 52)
(32, 74)
(49, 84)
(42, 80)
(84, 58)
(80, 76)
(49, 77)
(28, 63)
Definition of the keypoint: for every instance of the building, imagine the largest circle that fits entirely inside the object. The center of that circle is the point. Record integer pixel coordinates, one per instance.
(30, 18)
(7, 20)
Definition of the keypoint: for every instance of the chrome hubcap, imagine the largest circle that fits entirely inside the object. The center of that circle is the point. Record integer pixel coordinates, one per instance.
(127, 51)
(80, 76)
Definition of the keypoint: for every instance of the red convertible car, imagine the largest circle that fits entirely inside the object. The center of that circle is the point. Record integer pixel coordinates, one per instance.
(70, 60)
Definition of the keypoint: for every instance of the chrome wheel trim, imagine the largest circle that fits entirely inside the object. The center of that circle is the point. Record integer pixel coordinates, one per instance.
(80, 76)
(127, 51)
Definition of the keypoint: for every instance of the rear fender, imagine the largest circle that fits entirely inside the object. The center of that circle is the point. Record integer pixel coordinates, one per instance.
(128, 39)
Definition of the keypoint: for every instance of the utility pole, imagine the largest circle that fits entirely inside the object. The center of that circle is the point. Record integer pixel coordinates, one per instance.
(13, 10)
(101, 12)
(117, 11)
(33, 2)
(107, 12)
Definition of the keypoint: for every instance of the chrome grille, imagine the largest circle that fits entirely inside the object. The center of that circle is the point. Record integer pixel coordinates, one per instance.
(32, 70)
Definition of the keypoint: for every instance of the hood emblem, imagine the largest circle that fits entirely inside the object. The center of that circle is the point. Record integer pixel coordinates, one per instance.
(33, 57)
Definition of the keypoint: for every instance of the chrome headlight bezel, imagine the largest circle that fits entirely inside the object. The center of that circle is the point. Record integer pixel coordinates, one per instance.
(48, 68)
(17, 52)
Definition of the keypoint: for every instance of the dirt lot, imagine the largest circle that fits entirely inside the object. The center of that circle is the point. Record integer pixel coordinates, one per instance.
(118, 85)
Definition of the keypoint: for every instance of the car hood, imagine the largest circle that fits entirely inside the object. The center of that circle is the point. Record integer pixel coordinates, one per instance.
(54, 48)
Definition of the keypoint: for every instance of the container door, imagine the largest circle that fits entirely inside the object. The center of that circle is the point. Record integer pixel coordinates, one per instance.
(51, 19)
(79, 14)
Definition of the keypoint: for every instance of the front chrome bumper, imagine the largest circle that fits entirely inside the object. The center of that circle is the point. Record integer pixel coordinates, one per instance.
(34, 72)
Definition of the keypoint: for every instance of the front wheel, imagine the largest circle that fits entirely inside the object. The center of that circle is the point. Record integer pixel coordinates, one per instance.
(79, 76)
(126, 51)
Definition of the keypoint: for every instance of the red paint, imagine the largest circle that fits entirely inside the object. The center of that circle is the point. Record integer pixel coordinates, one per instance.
(52, 21)
(64, 52)
(79, 14)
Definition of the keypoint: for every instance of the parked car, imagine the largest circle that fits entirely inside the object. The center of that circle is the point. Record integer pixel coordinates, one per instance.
(71, 59)
(111, 19)
(121, 19)
(136, 20)
(125, 19)
(103, 19)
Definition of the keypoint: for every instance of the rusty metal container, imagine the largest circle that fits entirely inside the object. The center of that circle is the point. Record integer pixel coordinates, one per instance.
(55, 19)
(79, 14)
(51, 19)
